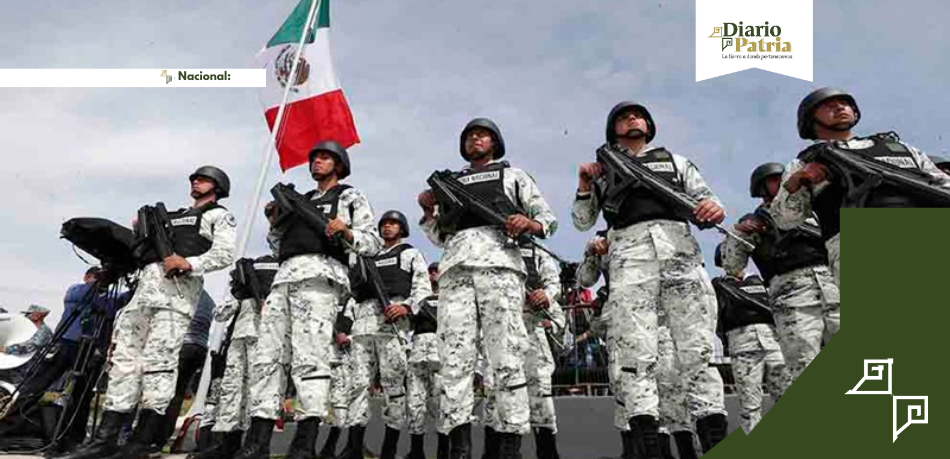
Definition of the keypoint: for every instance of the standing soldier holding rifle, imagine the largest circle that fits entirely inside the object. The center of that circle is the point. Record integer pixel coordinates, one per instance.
(379, 330)
(482, 281)
(310, 235)
(654, 265)
(175, 251)
(842, 170)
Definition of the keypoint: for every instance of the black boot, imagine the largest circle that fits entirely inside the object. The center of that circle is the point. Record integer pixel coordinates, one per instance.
(490, 445)
(208, 439)
(304, 444)
(417, 446)
(460, 442)
(257, 443)
(711, 430)
(629, 445)
(390, 442)
(444, 446)
(354, 443)
(104, 441)
(645, 431)
(509, 444)
(546, 442)
(148, 436)
(666, 449)
(329, 445)
(684, 444)
(225, 444)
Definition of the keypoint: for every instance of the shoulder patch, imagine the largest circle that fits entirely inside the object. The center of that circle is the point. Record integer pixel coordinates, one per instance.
(229, 219)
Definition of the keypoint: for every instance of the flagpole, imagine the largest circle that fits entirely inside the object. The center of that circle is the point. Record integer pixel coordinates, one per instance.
(198, 406)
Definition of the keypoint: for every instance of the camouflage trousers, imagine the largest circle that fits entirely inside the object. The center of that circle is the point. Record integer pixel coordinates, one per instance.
(386, 354)
(422, 385)
(539, 367)
(641, 285)
(340, 386)
(756, 359)
(490, 300)
(834, 257)
(234, 387)
(807, 314)
(299, 316)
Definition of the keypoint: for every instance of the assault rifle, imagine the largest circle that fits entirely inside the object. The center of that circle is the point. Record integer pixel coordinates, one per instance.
(860, 175)
(371, 277)
(623, 174)
(244, 282)
(454, 197)
(155, 228)
(289, 200)
(740, 294)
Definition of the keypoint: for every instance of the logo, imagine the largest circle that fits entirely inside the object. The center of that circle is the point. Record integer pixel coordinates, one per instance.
(918, 411)
(168, 78)
(480, 177)
(773, 36)
(284, 64)
(184, 221)
(266, 266)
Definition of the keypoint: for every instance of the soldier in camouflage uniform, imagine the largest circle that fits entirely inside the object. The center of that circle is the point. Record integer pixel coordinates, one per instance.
(745, 319)
(827, 116)
(674, 413)
(229, 416)
(794, 265)
(309, 286)
(379, 333)
(422, 385)
(340, 381)
(150, 330)
(655, 266)
(482, 288)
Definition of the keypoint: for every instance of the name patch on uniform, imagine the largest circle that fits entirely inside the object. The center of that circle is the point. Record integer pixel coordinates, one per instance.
(386, 262)
(325, 208)
(660, 166)
(904, 162)
(266, 266)
(527, 253)
(184, 221)
(753, 289)
(480, 177)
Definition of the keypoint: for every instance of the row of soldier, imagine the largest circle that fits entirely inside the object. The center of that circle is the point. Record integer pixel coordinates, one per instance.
(657, 285)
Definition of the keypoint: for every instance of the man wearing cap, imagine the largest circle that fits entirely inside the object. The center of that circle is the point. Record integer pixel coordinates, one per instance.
(150, 330)
(37, 314)
(655, 267)
(481, 276)
(422, 384)
(308, 287)
(827, 116)
(378, 335)
(794, 265)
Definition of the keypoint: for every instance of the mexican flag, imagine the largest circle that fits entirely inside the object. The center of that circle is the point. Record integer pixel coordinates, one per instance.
(316, 108)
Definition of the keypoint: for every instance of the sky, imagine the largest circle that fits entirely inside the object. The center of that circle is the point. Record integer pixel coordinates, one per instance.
(415, 72)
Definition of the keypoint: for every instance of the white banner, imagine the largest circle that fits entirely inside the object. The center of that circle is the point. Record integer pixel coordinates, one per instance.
(133, 78)
(735, 35)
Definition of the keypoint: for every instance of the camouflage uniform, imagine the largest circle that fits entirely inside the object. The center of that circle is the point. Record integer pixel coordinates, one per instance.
(150, 330)
(655, 266)
(230, 412)
(302, 304)
(806, 304)
(422, 386)
(341, 387)
(756, 357)
(482, 288)
(539, 360)
(791, 209)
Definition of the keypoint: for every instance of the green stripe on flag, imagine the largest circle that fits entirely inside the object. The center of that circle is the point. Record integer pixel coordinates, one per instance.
(290, 31)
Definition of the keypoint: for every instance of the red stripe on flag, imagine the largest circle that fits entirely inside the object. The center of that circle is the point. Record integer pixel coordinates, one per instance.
(308, 121)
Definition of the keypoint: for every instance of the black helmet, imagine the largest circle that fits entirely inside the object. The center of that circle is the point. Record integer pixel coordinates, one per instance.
(717, 259)
(484, 123)
(621, 107)
(434, 266)
(399, 217)
(806, 109)
(222, 183)
(757, 182)
(331, 146)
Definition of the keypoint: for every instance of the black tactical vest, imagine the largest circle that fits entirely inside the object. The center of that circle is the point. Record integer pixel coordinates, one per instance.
(300, 238)
(343, 324)
(736, 311)
(489, 183)
(641, 204)
(533, 282)
(397, 281)
(426, 321)
(265, 268)
(886, 149)
(187, 240)
(780, 252)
